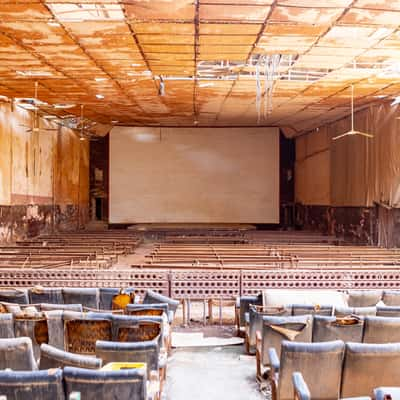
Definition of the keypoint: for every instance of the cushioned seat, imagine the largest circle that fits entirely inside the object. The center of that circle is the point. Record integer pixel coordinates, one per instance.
(35, 328)
(329, 328)
(11, 295)
(381, 330)
(363, 298)
(46, 295)
(391, 297)
(244, 303)
(156, 309)
(275, 330)
(55, 326)
(51, 357)
(360, 311)
(367, 366)
(6, 325)
(306, 309)
(17, 354)
(153, 297)
(32, 385)
(319, 363)
(128, 384)
(388, 311)
(256, 314)
(147, 352)
(88, 297)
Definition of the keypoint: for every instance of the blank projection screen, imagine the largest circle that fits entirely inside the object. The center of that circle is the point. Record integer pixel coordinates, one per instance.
(194, 175)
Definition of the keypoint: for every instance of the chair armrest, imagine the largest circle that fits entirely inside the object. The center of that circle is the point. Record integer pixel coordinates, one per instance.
(258, 341)
(301, 391)
(274, 360)
(237, 302)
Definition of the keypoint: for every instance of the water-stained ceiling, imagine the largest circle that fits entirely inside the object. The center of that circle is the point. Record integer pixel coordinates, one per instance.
(287, 63)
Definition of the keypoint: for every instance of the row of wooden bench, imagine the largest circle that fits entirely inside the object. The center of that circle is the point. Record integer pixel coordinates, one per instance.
(82, 249)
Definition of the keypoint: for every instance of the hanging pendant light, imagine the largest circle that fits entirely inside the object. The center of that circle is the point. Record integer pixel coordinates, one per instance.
(353, 132)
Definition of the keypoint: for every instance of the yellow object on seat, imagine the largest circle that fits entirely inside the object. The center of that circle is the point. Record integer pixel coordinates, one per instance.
(116, 366)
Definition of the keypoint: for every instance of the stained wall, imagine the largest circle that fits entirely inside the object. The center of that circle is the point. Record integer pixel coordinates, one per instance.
(44, 178)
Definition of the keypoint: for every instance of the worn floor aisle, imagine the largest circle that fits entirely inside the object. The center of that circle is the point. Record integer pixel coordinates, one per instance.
(216, 373)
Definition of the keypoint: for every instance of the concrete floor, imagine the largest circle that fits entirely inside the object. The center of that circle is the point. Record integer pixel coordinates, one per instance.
(215, 373)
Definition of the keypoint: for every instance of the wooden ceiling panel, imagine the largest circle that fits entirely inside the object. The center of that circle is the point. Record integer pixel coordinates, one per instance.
(316, 3)
(214, 49)
(229, 29)
(166, 39)
(371, 17)
(160, 10)
(298, 29)
(97, 28)
(302, 15)
(122, 55)
(24, 12)
(168, 48)
(164, 28)
(241, 13)
(379, 4)
(227, 39)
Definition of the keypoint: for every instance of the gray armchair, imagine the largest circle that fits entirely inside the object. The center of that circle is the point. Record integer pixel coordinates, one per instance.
(254, 322)
(11, 295)
(32, 385)
(381, 330)
(17, 354)
(147, 352)
(45, 295)
(153, 297)
(330, 328)
(242, 307)
(128, 384)
(6, 325)
(319, 363)
(88, 297)
(364, 298)
(388, 311)
(367, 366)
(275, 330)
(305, 309)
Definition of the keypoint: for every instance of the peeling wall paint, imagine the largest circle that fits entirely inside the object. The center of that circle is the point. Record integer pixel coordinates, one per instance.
(356, 225)
(44, 177)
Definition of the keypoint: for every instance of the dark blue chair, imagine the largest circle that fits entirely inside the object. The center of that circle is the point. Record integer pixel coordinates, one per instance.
(32, 385)
(128, 384)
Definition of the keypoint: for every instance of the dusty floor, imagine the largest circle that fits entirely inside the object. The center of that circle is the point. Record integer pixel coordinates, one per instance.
(212, 373)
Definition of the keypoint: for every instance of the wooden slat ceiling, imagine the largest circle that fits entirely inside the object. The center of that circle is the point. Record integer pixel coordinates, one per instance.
(119, 49)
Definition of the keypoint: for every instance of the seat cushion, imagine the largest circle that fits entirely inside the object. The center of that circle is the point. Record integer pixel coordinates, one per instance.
(319, 363)
(363, 298)
(367, 366)
(280, 297)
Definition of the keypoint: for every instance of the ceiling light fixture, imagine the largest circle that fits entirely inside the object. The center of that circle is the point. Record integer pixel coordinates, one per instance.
(352, 131)
(100, 79)
(99, 96)
(136, 65)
